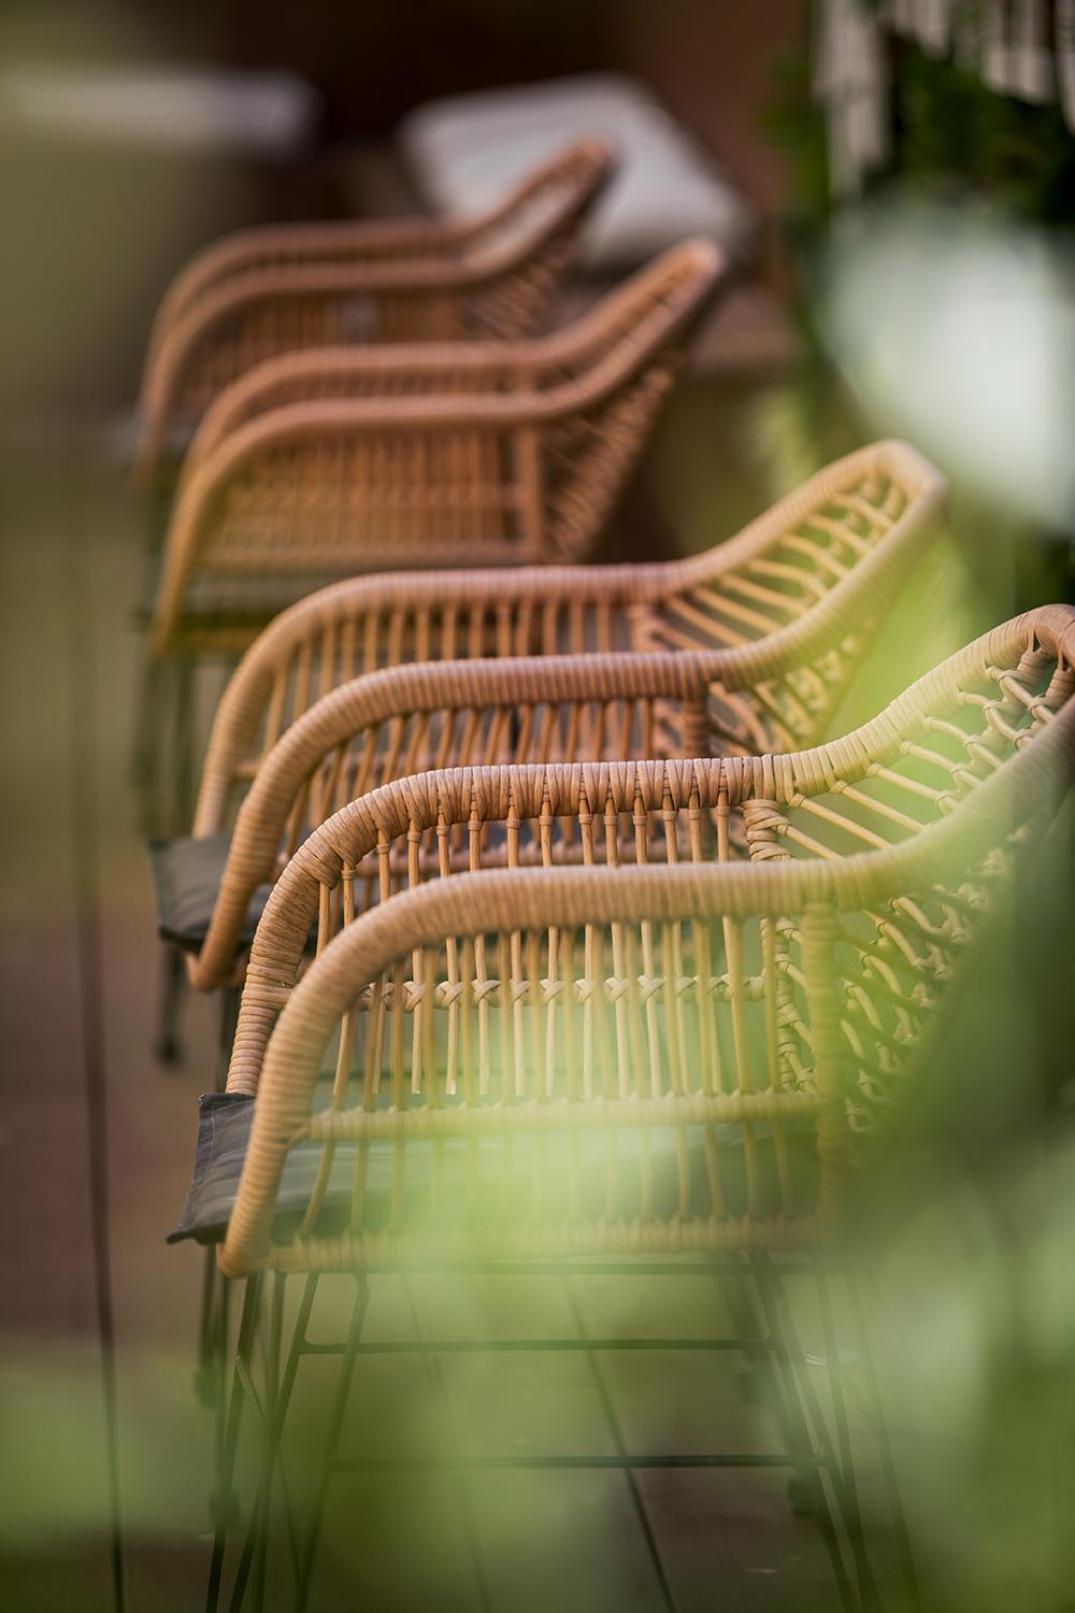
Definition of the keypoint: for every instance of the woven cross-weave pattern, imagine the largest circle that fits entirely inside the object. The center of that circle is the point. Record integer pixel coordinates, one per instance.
(523, 464)
(625, 1021)
(275, 290)
(783, 607)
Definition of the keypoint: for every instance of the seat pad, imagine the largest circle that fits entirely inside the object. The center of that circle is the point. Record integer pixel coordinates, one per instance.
(471, 1174)
(186, 880)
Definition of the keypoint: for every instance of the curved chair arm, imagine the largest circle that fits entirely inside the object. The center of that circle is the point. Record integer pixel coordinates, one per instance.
(462, 712)
(413, 278)
(467, 711)
(338, 425)
(368, 622)
(403, 369)
(267, 295)
(574, 708)
(271, 246)
(276, 246)
(601, 350)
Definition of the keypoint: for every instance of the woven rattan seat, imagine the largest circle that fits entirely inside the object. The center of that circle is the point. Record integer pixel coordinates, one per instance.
(759, 693)
(345, 460)
(266, 291)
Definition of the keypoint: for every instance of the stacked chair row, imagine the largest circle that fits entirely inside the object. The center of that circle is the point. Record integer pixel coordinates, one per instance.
(565, 941)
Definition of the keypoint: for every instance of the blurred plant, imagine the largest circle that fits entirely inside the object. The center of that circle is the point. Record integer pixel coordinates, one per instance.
(939, 309)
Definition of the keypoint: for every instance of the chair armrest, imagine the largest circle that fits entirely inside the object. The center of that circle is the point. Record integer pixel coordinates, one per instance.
(257, 295)
(355, 373)
(275, 246)
(398, 722)
(368, 623)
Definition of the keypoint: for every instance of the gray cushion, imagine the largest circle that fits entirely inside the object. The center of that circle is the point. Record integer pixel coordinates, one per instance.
(225, 1119)
(241, 601)
(186, 880)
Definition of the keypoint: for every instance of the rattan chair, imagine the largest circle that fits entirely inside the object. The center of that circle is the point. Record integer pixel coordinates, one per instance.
(320, 465)
(784, 609)
(688, 1046)
(821, 564)
(272, 290)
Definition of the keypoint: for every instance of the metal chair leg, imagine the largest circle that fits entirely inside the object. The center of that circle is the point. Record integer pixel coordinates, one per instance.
(223, 1502)
(763, 1378)
(185, 762)
(145, 744)
(638, 1500)
(339, 1409)
(435, 1373)
(173, 982)
(908, 1571)
(848, 1488)
(785, 1352)
(212, 1340)
(255, 1546)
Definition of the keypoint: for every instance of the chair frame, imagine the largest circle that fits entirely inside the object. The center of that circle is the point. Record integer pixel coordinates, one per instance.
(994, 790)
(446, 449)
(400, 612)
(1007, 778)
(599, 681)
(417, 277)
(368, 623)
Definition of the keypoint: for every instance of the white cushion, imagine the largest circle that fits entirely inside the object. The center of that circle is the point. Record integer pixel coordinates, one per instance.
(466, 152)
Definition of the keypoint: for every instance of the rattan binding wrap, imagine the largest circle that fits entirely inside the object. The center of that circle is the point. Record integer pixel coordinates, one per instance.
(272, 290)
(347, 460)
(798, 980)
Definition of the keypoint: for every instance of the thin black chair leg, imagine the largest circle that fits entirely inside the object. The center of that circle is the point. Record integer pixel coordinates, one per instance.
(173, 981)
(263, 1501)
(223, 1501)
(255, 1546)
(230, 999)
(848, 1488)
(207, 1385)
(765, 1376)
(207, 1374)
(638, 1500)
(339, 1411)
(434, 1371)
(904, 1553)
(815, 1416)
(145, 745)
(766, 1283)
(182, 802)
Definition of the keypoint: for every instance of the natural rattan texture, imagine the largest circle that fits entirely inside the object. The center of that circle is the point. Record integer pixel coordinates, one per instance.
(324, 464)
(761, 947)
(308, 752)
(803, 584)
(272, 290)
